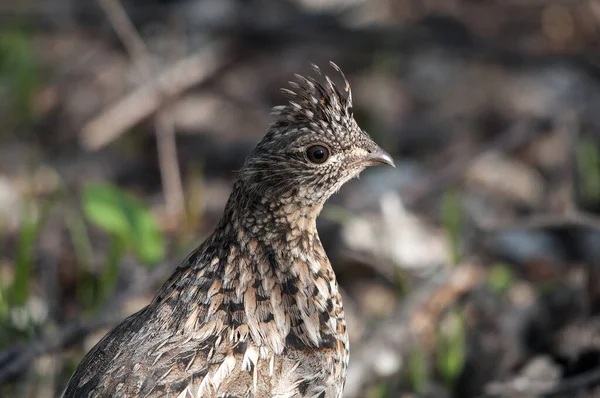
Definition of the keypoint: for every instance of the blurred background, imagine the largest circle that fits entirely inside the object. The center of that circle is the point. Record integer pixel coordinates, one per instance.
(470, 270)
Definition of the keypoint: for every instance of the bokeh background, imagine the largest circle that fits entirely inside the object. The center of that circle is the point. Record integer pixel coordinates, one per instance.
(470, 270)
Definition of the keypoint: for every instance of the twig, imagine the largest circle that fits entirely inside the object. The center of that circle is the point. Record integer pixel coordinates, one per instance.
(126, 31)
(569, 130)
(169, 169)
(165, 132)
(148, 98)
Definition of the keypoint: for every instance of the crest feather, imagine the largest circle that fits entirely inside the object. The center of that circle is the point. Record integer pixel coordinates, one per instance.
(313, 101)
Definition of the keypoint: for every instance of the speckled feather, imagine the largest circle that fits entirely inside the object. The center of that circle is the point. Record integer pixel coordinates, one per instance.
(254, 311)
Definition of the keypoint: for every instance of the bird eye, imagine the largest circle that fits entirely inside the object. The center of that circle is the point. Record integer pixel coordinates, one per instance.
(317, 153)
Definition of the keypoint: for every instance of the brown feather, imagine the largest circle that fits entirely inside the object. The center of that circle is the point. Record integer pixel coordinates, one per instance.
(255, 311)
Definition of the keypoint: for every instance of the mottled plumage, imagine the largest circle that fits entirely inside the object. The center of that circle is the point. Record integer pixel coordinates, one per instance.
(255, 311)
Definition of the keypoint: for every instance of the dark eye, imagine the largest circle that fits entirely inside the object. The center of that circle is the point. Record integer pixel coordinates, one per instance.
(317, 153)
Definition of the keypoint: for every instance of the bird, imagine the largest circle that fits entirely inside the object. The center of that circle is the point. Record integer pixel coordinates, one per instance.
(255, 311)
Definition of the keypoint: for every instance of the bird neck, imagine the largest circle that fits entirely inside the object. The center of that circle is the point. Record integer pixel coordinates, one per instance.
(267, 269)
(273, 262)
(268, 219)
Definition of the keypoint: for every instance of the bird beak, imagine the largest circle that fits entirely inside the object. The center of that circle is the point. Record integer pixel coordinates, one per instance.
(379, 157)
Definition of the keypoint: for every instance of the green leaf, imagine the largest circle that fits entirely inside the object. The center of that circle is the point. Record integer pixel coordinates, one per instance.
(107, 208)
(588, 167)
(28, 233)
(18, 71)
(417, 370)
(3, 304)
(451, 347)
(378, 390)
(80, 239)
(150, 245)
(124, 216)
(82, 246)
(110, 274)
(452, 221)
(500, 278)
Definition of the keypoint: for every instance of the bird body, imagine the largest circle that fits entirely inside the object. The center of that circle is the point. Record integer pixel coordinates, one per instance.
(255, 311)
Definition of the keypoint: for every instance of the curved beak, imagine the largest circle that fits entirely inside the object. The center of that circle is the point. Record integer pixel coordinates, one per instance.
(379, 157)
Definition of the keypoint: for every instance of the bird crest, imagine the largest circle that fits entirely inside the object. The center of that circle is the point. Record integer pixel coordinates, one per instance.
(312, 101)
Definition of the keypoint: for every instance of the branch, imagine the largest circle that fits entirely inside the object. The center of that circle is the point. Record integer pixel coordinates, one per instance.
(148, 98)
(165, 132)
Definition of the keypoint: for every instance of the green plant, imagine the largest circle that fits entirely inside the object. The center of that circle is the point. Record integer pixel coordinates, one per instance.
(418, 373)
(3, 303)
(451, 215)
(18, 291)
(451, 347)
(18, 73)
(500, 278)
(377, 390)
(588, 167)
(130, 224)
(82, 246)
(126, 218)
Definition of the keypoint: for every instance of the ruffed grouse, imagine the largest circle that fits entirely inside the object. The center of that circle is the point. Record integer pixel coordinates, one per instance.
(254, 311)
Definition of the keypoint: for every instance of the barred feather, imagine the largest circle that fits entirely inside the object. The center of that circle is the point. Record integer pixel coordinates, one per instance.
(255, 311)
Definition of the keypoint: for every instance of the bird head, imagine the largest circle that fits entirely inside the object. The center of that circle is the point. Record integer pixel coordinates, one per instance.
(313, 146)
